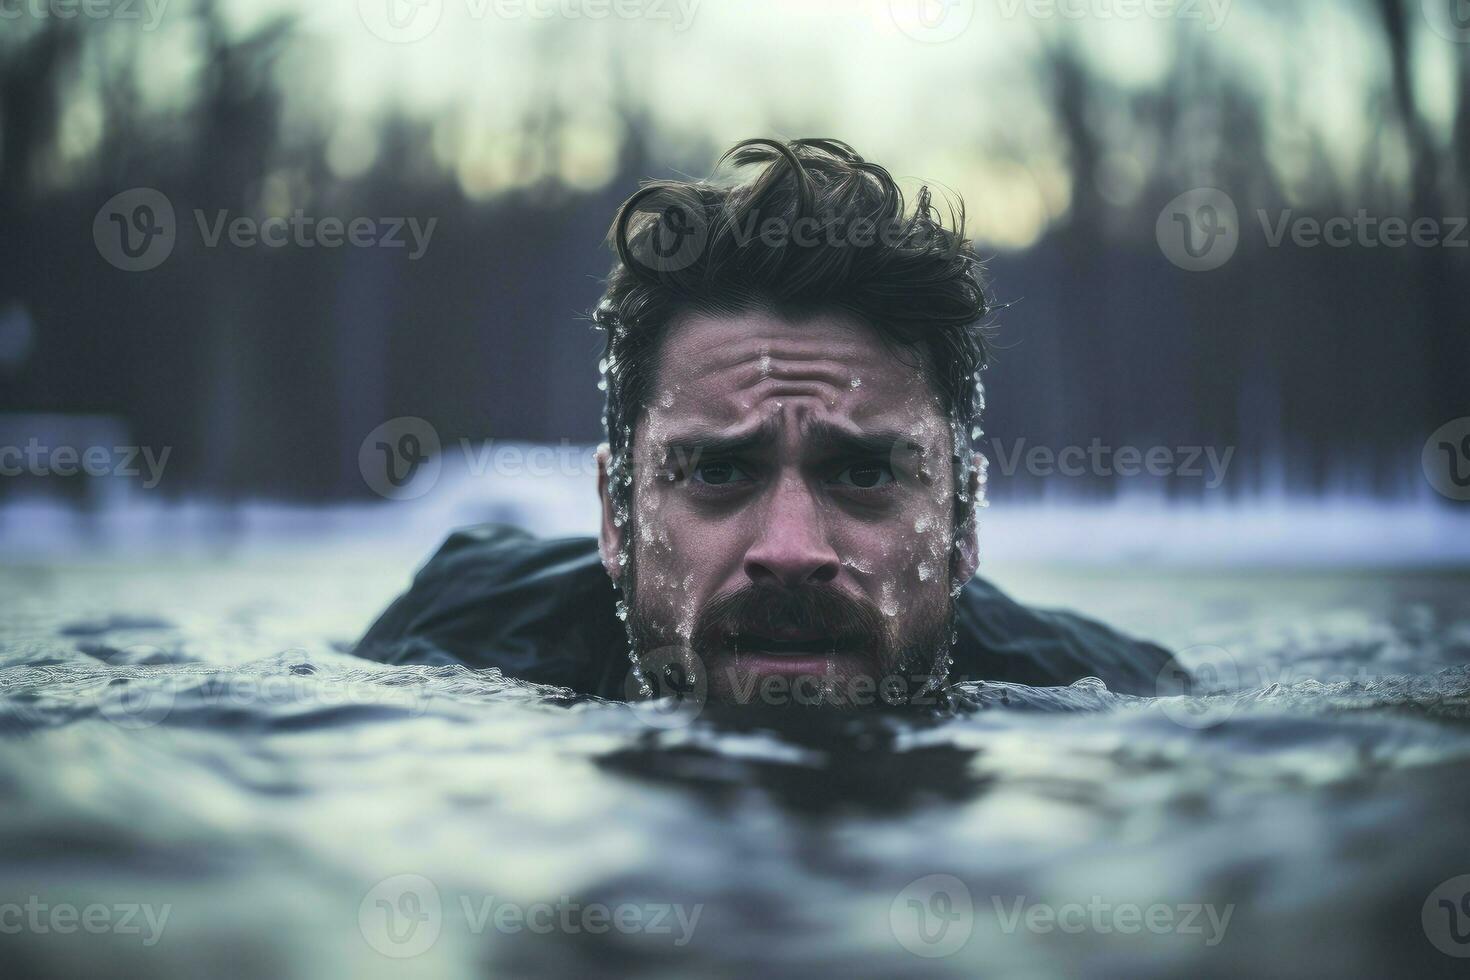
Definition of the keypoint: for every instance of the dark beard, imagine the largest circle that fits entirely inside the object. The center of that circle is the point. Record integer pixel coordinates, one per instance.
(849, 624)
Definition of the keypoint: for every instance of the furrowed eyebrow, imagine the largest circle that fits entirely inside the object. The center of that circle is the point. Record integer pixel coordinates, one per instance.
(830, 438)
(882, 443)
(687, 446)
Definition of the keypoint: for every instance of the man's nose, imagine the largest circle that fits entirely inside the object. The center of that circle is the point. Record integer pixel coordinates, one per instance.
(790, 546)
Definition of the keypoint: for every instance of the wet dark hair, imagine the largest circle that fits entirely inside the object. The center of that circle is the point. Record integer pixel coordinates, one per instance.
(816, 229)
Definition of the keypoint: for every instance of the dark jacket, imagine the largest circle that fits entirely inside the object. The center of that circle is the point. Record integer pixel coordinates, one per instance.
(543, 611)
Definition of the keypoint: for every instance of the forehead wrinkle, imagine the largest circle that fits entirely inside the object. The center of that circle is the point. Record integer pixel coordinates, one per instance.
(729, 373)
(814, 427)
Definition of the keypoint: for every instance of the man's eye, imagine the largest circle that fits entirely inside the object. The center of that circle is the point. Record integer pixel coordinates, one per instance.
(718, 473)
(866, 476)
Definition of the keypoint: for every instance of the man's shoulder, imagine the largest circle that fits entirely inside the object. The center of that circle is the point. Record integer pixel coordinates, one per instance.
(1002, 639)
(493, 595)
(543, 609)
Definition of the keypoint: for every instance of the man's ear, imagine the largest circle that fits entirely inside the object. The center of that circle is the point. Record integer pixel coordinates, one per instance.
(967, 550)
(610, 537)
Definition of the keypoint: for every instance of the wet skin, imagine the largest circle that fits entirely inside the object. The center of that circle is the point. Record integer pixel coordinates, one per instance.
(790, 455)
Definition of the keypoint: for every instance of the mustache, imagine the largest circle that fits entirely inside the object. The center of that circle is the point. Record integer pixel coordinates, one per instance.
(848, 622)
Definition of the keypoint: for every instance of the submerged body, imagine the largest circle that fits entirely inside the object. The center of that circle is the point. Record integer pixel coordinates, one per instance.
(544, 611)
(188, 734)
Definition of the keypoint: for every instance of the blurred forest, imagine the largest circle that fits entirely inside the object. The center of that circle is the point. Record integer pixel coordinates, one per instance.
(264, 368)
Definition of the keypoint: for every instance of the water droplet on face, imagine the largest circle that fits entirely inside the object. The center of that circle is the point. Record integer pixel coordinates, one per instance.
(765, 365)
(889, 603)
(855, 383)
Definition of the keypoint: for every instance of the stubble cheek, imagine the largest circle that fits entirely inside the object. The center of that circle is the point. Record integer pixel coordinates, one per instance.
(912, 584)
(679, 557)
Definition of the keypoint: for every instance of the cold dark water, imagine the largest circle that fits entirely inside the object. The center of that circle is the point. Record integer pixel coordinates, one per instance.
(186, 739)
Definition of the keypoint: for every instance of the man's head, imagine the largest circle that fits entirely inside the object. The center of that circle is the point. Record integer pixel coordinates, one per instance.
(791, 371)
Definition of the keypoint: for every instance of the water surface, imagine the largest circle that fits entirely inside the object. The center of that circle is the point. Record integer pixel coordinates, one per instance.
(190, 735)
